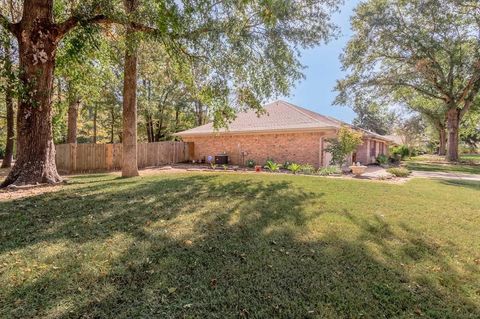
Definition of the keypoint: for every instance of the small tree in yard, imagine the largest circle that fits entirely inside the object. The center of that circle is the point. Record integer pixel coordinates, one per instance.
(347, 141)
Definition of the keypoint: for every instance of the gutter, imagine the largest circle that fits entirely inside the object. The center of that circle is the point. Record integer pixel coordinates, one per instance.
(251, 132)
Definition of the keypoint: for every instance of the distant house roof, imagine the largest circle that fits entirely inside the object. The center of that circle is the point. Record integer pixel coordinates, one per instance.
(395, 139)
(280, 116)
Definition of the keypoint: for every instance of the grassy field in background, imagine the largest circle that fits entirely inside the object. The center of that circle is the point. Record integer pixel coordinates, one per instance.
(468, 164)
(201, 245)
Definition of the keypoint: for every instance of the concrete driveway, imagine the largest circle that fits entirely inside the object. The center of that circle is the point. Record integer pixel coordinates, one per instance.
(446, 175)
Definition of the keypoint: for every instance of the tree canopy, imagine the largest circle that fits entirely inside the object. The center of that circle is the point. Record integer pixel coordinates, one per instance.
(227, 55)
(430, 47)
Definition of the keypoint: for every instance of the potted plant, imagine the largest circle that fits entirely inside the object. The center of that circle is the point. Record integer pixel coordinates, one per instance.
(358, 169)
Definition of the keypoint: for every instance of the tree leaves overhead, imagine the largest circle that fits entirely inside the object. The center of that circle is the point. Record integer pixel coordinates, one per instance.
(374, 117)
(250, 48)
(430, 46)
(411, 48)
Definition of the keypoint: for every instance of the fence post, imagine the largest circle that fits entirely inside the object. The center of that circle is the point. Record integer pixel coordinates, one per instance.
(73, 157)
(109, 156)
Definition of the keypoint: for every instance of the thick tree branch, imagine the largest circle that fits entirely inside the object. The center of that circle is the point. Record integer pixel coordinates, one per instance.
(74, 21)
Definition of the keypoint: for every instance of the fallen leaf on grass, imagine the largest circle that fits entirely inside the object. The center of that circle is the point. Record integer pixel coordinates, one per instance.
(213, 283)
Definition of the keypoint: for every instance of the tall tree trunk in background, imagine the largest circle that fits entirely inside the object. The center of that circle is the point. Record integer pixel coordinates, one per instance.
(37, 40)
(439, 125)
(158, 134)
(149, 126)
(95, 125)
(453, 123)
(200, 113)
(442, 136)
(112, 126)
(148, 116)
(177, 118)
(129, 162)
(72, 120)
(8, 158)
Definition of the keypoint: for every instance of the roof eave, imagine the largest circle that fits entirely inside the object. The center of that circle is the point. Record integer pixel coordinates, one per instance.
(249, 132)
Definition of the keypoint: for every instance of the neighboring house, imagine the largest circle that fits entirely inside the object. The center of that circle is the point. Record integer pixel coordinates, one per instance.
(396, 139)
(285, 133)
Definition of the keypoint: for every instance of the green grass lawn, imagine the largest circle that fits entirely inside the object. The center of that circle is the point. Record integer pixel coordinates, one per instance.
(471, 157)
(205, 245)
(468, 164)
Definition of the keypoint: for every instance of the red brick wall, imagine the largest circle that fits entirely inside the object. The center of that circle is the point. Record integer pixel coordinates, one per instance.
(364, 155)
(302, 148)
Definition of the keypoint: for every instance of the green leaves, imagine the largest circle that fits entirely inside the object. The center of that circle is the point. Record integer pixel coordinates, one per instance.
(426, 47)
(272, 166)
(346, 142)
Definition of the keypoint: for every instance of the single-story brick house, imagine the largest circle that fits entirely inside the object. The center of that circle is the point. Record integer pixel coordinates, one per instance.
(285, 133)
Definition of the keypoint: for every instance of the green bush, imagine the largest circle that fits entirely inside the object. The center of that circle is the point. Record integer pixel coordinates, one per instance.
(272, 166)
(382, 159)
(329, 170)
(399, 171)
(307, 169)
(269, 159)
(251, 163)
(346, 142)
(294, 168)
(400, 152)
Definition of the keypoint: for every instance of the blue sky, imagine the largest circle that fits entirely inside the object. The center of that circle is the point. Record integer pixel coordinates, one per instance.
(315, 92)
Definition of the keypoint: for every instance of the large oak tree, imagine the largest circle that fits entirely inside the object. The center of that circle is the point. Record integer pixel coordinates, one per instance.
(431, 47)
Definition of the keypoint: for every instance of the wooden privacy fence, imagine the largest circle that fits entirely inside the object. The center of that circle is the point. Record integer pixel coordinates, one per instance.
(72, 158)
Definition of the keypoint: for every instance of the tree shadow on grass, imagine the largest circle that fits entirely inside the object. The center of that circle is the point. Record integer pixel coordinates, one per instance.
(202, 246)
(462, 183)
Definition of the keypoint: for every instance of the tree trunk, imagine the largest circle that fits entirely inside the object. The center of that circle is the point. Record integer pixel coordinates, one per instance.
(158, 134)
(200, 113)
(177, 118)
(129, 140)
(72, 121)
(442, 136)
(37, 45)
(95, 125)
(453, 123)
(112, 126)
(8, 158)
(149, 125)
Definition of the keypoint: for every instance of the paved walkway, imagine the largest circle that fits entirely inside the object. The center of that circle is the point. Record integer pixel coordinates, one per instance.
(374, 172)
(446, 175)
